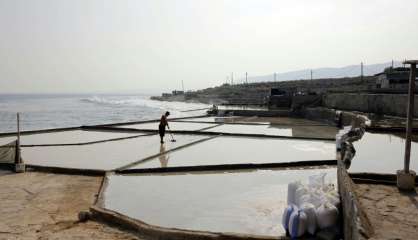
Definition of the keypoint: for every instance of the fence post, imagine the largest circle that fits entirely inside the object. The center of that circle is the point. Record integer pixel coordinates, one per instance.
(19, 165)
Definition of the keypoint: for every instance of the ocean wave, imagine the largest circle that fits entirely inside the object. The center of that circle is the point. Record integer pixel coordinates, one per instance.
(144, 102)
(105, 101)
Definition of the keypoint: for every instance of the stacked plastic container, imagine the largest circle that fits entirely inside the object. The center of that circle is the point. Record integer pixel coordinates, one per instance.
(311, 207)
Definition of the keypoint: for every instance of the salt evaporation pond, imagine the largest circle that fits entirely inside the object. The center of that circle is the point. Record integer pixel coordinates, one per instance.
(382, 153)
(181, 126)
(247, 202)
(277, 130)
(237, 150)
(66, 137)
(231, 119)
(251, 129)
(105, 156)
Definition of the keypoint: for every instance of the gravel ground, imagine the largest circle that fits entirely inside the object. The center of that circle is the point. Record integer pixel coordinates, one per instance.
(393, 214)
(45, 206)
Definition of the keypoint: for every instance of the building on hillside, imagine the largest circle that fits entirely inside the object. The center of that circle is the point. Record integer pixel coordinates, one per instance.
(177, 92)
(394, 78)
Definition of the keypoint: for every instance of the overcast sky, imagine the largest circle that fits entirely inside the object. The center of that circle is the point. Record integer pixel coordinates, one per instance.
(142, 45)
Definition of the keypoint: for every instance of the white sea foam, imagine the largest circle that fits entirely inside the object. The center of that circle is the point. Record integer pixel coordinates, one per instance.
(46, 111)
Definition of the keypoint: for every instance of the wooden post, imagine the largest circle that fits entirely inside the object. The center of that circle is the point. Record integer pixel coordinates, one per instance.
(17, 161)
(410, 117)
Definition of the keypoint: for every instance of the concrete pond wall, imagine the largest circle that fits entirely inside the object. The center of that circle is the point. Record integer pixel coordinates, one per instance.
(388, 104)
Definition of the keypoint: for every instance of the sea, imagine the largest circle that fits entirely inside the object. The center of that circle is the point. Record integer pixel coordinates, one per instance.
(45, 111)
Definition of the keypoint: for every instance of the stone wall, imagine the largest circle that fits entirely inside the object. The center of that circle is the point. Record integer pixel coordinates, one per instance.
(388, 104)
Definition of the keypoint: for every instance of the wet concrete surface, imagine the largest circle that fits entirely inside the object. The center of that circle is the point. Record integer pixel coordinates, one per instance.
(106, 156)
(382, 153)
(249, 202)
(65, 137)
(392, 213)
(237, 150)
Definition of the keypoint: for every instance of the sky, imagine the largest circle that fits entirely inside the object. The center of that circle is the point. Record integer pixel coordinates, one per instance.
(80, 46)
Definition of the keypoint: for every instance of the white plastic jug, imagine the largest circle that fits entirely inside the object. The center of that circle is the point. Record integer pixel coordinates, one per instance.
(286, 215)
(326, 215)
(291, 191)
(310, 211)
(297, 224)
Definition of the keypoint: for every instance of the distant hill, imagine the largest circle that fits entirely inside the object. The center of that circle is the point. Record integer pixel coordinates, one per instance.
(347, 71)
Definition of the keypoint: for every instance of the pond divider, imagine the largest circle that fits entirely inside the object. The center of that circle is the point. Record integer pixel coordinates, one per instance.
(87, 143)
(376, 178)
(226, 167)
(64, 170)
(198, 132)
(356, 224)
(258, 123)
(48, 130)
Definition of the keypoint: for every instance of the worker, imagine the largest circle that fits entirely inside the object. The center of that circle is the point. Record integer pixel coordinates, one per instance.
(161, 127)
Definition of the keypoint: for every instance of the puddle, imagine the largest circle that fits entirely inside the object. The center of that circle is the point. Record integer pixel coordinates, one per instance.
(241, 202)
(65, 137)
(382, 153)
(180, 126)
(107, 155)
(236, 150)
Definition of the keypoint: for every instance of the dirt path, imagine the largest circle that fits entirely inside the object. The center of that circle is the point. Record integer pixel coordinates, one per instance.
(393, 214)
(45, 206)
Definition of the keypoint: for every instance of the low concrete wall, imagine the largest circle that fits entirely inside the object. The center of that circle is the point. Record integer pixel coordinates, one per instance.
(388, 104)
(356, 224)
(334, 117)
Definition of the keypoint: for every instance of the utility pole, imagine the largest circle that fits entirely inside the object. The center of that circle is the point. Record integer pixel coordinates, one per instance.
(232, 78)
(275, 79)
(246, 77)
(311, 75)
(361, 76)
(392, 63)
(182, 85)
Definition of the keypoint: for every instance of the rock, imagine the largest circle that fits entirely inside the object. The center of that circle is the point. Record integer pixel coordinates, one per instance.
(84, 216)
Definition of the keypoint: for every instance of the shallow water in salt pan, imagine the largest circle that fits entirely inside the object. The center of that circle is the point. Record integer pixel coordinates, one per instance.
(382, 153)
(65, 137)
(173, 126)
(248, 202)
(238, 150)
(107, 155)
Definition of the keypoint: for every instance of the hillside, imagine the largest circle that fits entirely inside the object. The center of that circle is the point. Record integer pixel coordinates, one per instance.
(255, 93)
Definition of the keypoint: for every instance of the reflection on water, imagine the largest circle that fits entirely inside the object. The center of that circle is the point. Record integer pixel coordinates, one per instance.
(173, 126)
(248, 202)
(236, 150)
(163, 157)
(107, 155)
(382, 153)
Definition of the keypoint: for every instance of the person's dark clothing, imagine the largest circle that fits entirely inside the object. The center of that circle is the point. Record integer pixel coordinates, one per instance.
(161, 127)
